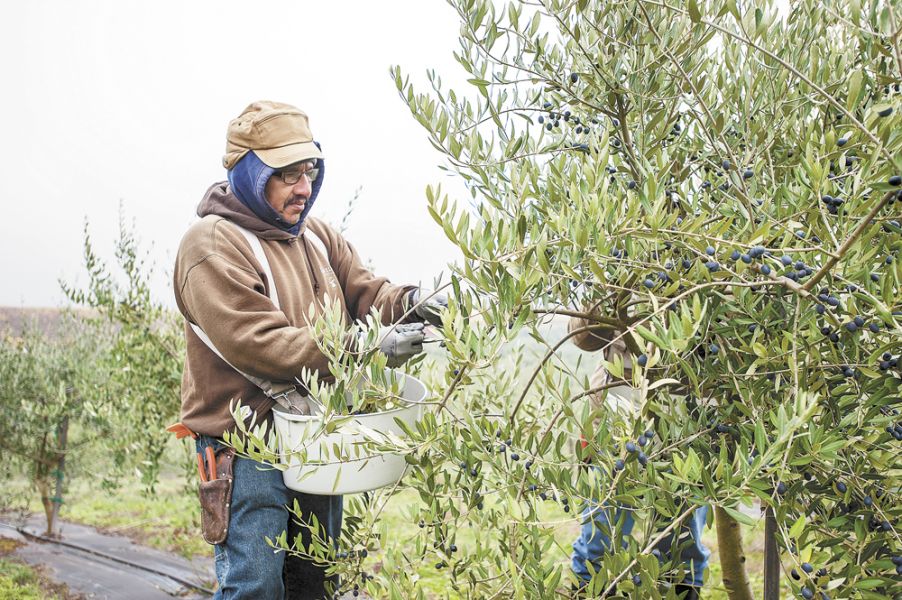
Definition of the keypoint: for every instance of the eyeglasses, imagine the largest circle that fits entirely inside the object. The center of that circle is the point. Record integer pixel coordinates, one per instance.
(292, 176)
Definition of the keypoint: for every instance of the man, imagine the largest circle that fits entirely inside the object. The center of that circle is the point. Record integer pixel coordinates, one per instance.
(255, 318)
(600, 522)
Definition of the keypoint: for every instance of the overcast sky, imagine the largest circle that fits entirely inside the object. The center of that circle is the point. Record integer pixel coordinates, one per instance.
(109, 102)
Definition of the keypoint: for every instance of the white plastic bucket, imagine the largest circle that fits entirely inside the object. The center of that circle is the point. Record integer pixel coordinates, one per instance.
(361, 472)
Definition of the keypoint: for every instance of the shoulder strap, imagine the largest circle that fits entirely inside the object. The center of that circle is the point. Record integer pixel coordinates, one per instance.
(286, 395)
(317, 241)
(257, 248)
(263, 384)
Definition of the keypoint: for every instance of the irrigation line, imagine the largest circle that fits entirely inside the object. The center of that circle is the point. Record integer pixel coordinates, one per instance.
(129, 563)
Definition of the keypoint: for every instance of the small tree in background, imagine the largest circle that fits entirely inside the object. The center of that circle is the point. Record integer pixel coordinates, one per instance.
(48, 408)
(718, 183)
(143, 367)
(106, 381)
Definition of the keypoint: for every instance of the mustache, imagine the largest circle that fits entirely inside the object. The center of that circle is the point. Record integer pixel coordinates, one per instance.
(297, 200)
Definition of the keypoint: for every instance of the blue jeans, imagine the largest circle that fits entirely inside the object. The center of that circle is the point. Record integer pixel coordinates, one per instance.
(595, 539)
(246, 567)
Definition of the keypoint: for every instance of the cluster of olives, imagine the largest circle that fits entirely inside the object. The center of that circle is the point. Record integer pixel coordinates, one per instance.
(633, 450)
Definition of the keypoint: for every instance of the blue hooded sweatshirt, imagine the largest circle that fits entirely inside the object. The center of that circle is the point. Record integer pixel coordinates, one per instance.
(248, 181)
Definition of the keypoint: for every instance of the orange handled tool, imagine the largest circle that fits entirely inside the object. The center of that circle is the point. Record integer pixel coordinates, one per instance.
(200, 467)
(211, 463)
(181, 431)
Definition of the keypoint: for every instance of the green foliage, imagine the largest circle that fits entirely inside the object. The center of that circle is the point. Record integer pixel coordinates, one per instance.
(47, 384)
(649, 166)
(108, 381)
(18, 582)
(142, 369)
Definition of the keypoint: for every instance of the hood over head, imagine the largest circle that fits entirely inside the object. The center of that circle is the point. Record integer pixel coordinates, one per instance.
(220, 200)
(247, 180)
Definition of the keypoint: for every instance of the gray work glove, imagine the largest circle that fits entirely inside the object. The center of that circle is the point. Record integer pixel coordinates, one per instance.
(431, 308)
(401, 342)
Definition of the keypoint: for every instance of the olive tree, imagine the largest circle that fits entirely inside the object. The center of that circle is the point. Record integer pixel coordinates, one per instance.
(142, 368)
(48, 385)
(104, 383)
(714, 183)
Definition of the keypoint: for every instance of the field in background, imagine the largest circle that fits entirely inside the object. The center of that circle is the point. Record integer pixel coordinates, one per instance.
(13, 320)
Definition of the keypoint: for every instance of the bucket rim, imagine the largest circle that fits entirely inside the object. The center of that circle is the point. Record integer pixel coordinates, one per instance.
(350, 461)
(280, 413)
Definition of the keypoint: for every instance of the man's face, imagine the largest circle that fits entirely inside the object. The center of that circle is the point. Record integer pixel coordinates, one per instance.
(287, 198)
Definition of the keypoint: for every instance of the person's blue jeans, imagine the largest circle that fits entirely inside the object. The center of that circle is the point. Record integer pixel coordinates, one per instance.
(595, 539)
(246, 566)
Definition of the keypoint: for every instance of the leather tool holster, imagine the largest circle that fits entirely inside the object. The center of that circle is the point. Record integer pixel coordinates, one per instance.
(216, 499)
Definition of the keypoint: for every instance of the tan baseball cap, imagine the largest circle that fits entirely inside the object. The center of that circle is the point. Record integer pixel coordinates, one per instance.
(278, 133)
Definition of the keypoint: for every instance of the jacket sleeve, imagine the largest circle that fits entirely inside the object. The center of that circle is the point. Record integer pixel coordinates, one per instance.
(593, 340)
(362, 289)
(218, 288)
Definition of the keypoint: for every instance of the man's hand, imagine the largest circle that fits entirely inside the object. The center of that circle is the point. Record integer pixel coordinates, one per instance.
(430, 310)
(401, 342)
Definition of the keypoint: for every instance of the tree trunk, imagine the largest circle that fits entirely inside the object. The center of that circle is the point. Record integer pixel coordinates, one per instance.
(44, 489)
(732, 556)
(42, 480)
(57, 500)
(771, 557)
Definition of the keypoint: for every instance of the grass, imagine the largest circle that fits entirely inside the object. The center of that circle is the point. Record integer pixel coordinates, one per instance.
(19, 581)
(168, 521)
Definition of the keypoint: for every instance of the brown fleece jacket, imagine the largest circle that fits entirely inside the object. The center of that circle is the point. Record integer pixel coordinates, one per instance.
(220, 286)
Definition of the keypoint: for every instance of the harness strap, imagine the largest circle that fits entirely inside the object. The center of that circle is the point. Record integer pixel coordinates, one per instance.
(284, 394)
(316, 241)
(257, 248)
